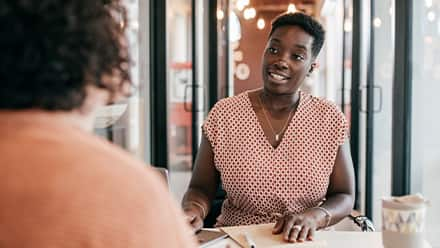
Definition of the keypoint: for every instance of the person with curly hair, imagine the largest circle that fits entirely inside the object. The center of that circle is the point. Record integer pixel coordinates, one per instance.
(281, 154)
(61, 186)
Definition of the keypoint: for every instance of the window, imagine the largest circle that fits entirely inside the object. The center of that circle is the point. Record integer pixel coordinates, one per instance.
(425, 144)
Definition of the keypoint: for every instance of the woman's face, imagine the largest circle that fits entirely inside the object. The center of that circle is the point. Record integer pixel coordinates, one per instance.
(287, 59)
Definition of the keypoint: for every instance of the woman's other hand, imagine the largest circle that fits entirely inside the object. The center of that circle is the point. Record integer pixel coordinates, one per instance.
(194, 217)
(299, 227)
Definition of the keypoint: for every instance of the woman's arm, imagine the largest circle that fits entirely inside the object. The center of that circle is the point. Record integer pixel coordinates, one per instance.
(341, 190)
(338, 204)
(203, 186)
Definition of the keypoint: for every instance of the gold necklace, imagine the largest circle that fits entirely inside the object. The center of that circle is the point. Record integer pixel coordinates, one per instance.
(277, 135)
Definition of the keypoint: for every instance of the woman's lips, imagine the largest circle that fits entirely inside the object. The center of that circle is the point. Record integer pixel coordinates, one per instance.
(278, 77)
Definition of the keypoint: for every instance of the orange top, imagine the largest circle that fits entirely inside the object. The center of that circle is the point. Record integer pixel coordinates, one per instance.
(63, 187)
(262, 182)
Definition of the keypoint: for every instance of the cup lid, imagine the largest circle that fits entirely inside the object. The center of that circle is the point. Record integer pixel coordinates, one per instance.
(405, 202)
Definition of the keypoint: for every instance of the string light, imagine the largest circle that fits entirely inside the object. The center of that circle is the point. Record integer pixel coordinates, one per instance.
(220, 14)
(261, 23)
(291, 8)
(377, 22)
(241, 4)
(249, 13)
(431, 16)
(348, 26)
(428, 3)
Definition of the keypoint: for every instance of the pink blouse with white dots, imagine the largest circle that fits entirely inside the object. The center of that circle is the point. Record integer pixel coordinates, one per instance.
(261, 181)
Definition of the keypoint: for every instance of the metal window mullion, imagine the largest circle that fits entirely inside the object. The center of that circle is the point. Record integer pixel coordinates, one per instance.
(369, 187)
(195, 61)
(213, 53)
(356, 78)
(402, 101)
(158, 79)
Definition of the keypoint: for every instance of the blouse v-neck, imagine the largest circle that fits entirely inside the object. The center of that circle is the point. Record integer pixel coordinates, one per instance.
(290, 123)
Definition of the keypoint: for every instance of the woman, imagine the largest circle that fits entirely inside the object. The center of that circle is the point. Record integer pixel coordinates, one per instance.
(62, 186)
(282, 155)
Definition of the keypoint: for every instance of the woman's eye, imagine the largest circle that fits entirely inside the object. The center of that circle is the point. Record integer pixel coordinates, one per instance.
(297, 57)
(273, 50)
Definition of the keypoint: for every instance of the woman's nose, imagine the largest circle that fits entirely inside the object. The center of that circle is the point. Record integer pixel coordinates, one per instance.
(281, 64)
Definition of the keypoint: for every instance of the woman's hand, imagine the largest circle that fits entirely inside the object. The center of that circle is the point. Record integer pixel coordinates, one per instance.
(299, 227)
(194, 217)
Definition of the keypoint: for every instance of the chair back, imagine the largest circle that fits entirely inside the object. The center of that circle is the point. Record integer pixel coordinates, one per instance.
(355, 222)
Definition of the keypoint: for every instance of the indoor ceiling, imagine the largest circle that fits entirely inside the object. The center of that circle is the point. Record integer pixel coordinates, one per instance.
(311, 7)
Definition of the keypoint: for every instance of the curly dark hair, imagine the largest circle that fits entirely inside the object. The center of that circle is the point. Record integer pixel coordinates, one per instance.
(51, 50)
(307, 23)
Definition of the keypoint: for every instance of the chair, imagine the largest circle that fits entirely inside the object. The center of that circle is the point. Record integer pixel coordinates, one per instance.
(216, 208)
(355, 222)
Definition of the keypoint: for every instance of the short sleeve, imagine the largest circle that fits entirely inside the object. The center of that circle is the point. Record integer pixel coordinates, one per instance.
(210, 126)
(343, 131)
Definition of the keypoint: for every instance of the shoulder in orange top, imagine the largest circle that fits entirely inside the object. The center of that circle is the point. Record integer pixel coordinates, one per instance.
(63, 187)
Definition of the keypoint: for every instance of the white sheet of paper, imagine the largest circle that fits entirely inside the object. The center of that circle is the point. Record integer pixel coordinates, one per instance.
(263, 237)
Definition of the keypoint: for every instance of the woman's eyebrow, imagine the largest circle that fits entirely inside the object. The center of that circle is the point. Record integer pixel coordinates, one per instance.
(275, 40)
(302, 47)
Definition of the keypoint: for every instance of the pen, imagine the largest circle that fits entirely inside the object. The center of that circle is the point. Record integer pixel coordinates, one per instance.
(250, 241)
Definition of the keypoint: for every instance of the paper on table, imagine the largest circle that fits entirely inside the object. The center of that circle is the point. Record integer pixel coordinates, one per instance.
(263, 237)
(206, 237)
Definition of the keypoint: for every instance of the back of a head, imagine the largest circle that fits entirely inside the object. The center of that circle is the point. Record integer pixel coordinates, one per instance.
(51, 50)
(305, 22)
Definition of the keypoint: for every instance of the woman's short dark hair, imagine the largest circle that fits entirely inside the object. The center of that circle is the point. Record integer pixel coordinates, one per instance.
(307, 23)
(51, 50)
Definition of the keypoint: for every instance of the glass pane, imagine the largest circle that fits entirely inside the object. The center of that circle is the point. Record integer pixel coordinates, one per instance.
(345, 95)
(249, 34)
(383, 24)
(123, 123)
(179, 95)
(425, 114)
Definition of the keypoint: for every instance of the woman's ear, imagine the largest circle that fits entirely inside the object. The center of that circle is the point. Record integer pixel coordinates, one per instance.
(313, 66)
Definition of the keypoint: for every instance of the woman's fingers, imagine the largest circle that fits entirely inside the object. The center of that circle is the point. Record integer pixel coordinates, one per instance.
(278, 228)
(190, 218)
(288, 225)
(294, 232)
(296, 228)
(303, 234)
(194, 219)
(311, 234)
(197, 224)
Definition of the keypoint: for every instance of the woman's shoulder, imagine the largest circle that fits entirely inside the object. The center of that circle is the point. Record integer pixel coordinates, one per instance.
(321, 104)
(233, 102)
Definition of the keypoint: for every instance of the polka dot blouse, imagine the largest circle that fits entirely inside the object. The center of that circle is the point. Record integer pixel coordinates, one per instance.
(263, 182)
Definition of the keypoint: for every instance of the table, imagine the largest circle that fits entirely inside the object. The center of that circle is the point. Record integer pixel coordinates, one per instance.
(335, 239)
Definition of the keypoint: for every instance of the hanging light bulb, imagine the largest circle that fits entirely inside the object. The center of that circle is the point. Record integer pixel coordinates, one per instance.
(428, 3)
(261, 24)
(220, 14)
(348, 26)
(240, 4)
(431, 16)
(377, 22)
(249, 13)
(291, 8)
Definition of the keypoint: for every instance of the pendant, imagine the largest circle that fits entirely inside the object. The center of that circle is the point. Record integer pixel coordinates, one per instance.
(277, 137)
